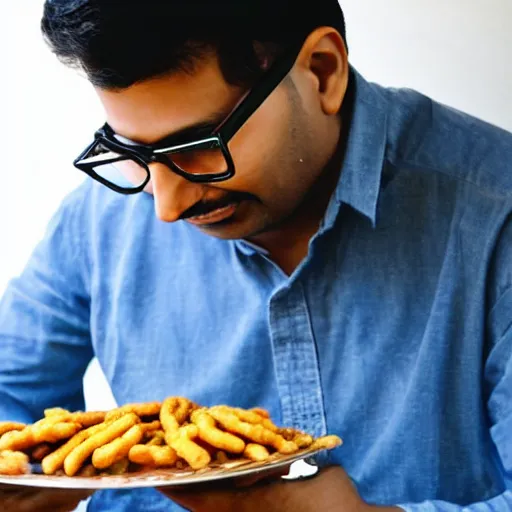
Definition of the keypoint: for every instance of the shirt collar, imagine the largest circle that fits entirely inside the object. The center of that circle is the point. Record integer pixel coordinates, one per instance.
(360, 179)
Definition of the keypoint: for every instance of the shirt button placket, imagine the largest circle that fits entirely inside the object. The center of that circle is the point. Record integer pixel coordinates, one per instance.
(296, 361)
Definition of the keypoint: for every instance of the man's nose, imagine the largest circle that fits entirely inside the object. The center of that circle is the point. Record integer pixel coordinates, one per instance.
(172, 194)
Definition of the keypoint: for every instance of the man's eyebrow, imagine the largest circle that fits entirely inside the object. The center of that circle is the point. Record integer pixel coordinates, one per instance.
(199, 129)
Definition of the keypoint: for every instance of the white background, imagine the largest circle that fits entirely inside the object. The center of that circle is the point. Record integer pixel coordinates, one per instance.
(457, 51)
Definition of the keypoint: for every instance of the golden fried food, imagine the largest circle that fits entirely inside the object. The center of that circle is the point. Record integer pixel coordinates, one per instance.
(87, 471)
(120, 467)
(326, 443)
(212, 435)
(47, 430)
(9, 426)
(221, 457)
(256, 452)
(40, 452)
(141, 409)
(55, 460)
(174, 412)
(175, 433)
(152, 455)
(53, 432)
(86, 419)
(14, 463)
(117, 428)
(118, 449)
(182, 441)
(301, 439)
(261, 412)
(257, 433)
(17, 440)
(155, 438)
(253, 417)
(55, 411)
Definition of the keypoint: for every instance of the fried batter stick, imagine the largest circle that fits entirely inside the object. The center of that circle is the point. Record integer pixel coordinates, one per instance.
(9, 426)
(118, 449)
(14, 463)
(257, 433)
(55, 461)
(78, 455)
(212, 435)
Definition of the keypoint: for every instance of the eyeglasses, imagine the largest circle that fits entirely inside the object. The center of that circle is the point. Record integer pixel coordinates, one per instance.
(123, 166)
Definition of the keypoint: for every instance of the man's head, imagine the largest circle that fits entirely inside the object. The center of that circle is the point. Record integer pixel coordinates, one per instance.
(160, 68)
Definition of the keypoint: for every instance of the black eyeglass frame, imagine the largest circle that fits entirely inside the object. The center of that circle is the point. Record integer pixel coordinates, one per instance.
(145, 154)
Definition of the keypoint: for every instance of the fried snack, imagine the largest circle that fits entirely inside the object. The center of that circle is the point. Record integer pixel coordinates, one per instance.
(140, 409)
(252, 417)
(87, 471)
(9, 426)
(118, 449)
(212, 435)
(40, 452)
(185, 436)
(53, 432)
(150, 429)
(86, 419)
(113, 430)
(181, 464)
(14, 463)
(261, 412)
(182, 441)
(55, 461)
(326, 443)
(257, 433)
(301, 439)
(55, 411)
(17, 440)
(256, 452)
(175, 410)
(120, 467)
(43, 431)
(157, 438)
(152, 455)
(221, 457)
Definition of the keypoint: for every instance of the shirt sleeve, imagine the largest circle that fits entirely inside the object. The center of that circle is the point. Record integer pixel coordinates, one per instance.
(497, 379)
(44, 322)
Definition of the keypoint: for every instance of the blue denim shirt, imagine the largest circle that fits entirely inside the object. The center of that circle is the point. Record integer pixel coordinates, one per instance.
(394, 333)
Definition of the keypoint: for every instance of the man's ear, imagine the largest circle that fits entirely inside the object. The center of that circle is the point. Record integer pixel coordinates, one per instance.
(324, 57)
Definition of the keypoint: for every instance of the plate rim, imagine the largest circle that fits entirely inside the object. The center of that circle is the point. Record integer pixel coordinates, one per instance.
(139, 481)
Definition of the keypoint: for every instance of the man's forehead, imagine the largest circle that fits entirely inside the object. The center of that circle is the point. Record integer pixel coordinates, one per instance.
(178, 104)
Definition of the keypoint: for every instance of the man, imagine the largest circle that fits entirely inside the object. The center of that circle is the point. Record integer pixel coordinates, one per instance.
(342, 257)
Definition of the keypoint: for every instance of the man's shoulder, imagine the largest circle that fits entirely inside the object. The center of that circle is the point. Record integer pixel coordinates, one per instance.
(426, 135)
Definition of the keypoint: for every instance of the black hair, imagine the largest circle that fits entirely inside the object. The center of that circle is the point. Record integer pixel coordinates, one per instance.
(121, 42)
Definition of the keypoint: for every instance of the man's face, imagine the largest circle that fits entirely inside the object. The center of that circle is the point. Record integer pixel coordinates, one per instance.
(278, 153)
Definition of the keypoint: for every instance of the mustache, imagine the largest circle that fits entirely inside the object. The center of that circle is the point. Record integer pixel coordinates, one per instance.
(206, 207)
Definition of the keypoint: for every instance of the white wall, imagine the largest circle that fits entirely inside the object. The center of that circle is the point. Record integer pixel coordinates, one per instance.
(458, 51)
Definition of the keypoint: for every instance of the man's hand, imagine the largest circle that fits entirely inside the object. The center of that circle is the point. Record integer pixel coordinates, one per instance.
(31, 499)
(330, 491)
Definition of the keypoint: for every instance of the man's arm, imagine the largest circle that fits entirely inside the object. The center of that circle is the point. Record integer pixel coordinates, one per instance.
(497, 377)
(44, 322)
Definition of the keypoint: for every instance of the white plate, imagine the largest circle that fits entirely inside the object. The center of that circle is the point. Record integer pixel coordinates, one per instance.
(162, 477)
